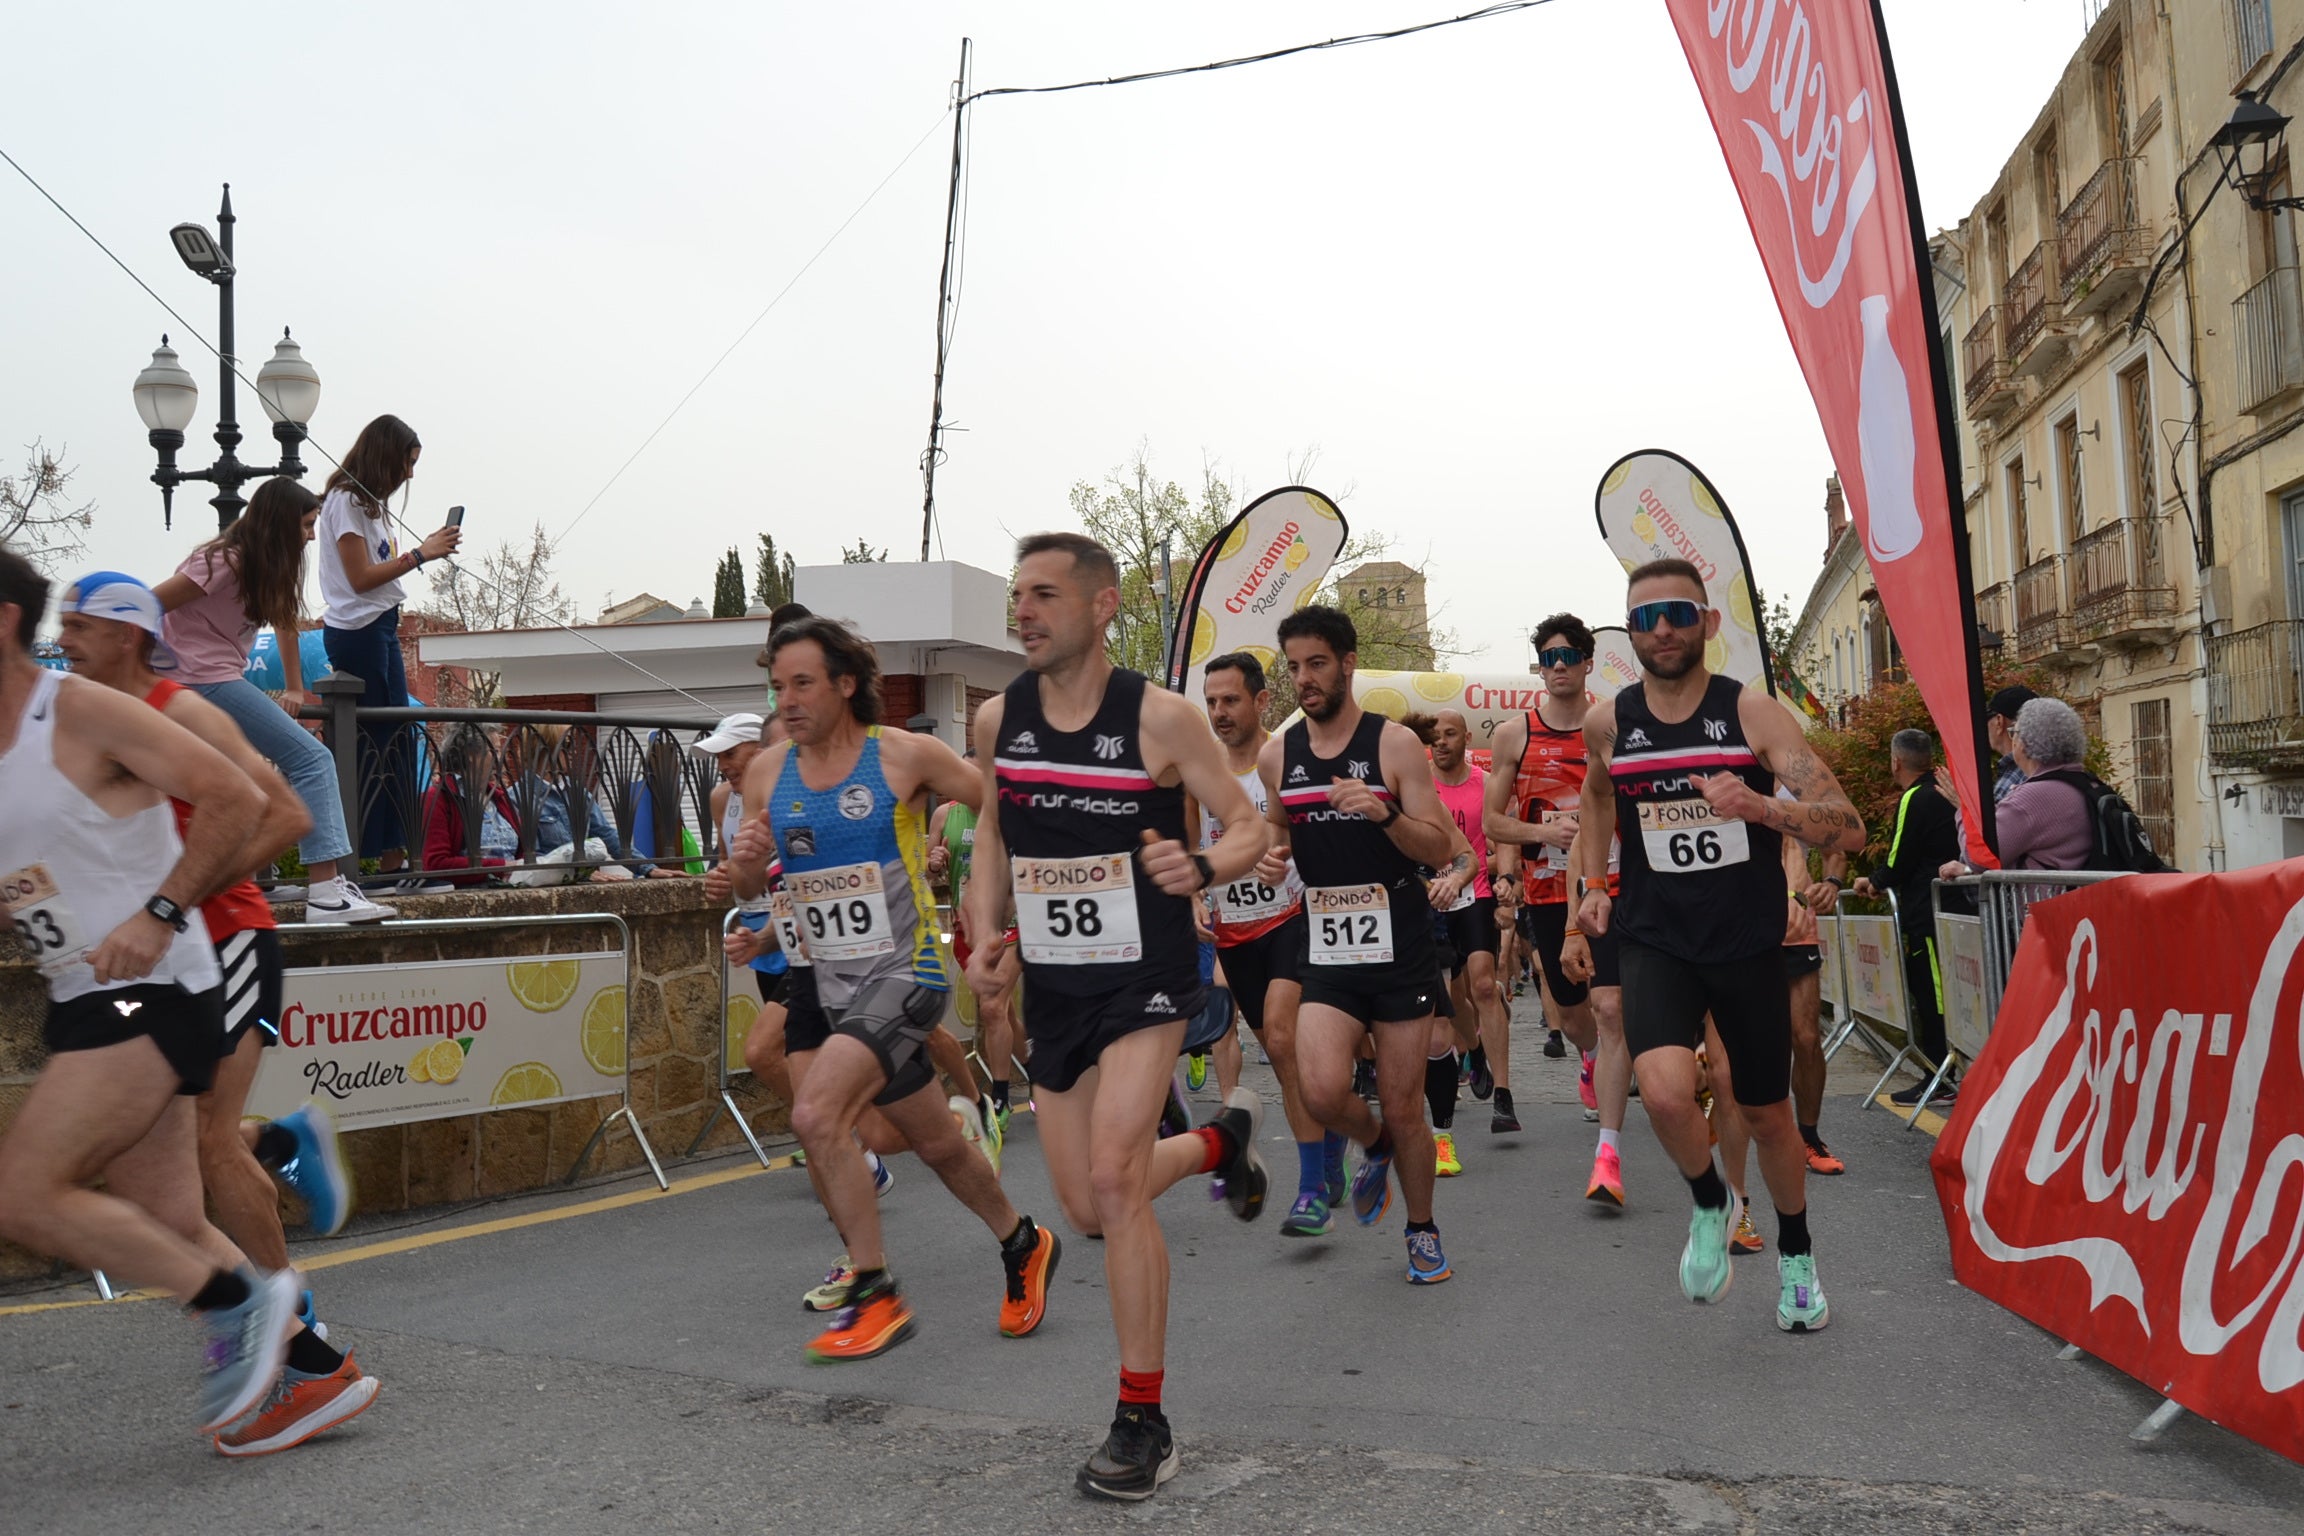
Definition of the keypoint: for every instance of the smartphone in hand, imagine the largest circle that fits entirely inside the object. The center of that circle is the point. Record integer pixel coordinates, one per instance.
(455, 517)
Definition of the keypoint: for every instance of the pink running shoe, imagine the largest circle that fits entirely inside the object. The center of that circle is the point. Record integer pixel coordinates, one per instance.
(1584, 1086)
(1607, 1184)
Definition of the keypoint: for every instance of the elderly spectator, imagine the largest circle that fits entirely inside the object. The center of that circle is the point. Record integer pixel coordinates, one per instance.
(1926, 837)
(2047, 825)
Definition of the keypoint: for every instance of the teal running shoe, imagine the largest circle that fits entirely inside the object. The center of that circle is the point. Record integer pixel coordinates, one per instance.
(1308, 1217)
(1372, 1188)
(1704, 1271)
(1800, 1308)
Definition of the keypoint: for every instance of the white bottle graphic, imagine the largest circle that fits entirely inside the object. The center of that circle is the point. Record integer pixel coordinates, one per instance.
(1884, 440)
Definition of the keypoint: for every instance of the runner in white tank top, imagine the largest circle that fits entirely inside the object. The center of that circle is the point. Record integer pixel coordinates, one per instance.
(94, 876)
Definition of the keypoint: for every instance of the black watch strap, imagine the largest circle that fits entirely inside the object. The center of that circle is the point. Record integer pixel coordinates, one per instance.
(1391, 813)
(1207, 871)
(168, 912)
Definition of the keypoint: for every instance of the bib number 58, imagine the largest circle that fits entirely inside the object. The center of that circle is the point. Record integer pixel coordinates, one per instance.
(1074, 915)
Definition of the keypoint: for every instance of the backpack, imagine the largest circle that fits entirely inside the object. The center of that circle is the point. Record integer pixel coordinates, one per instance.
(2120, 840)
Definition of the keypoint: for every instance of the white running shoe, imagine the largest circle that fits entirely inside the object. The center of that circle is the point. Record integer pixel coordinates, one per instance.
(340, 901)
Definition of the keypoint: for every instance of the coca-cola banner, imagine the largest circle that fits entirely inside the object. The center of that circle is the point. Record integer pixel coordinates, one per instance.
(1802, 95)
(1654, 505)
(1262, 566)
(2126, 1164)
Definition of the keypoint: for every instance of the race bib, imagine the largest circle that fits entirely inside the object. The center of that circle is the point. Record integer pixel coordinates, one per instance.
(50, 929)
(1686, 836)
(1250, 900)
(1556, 859)
(1463, 899)
(843, 912)
(1077, 911)
(1351, 924)
(787, 923)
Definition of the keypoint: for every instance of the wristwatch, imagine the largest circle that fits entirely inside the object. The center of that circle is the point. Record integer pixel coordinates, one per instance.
(1391, 813)
(168, 912)
(1207, 870)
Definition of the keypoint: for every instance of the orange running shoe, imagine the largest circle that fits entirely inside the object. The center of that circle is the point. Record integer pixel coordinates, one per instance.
(1029, 1272)
(300, 1407)
(1607, 1183)
(1746, 1237)
(869, 1325)
(1821, 1160)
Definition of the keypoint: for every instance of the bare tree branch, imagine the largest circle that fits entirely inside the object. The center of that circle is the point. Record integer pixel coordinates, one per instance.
(37, 517)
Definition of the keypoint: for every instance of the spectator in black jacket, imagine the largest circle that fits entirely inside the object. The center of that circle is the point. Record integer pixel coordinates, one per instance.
(1927, 836)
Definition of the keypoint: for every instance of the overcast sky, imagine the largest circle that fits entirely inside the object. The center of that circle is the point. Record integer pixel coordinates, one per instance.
(1470, 268)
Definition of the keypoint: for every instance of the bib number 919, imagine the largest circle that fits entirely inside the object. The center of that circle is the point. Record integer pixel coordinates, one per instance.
(841, 920)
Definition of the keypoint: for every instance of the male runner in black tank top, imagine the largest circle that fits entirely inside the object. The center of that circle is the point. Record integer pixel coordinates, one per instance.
(1088, 771)
(1352, 794)
(1687, 763)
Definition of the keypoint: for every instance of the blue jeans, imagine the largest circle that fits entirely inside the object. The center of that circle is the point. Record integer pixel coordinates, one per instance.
(307, 765)
(371, 653)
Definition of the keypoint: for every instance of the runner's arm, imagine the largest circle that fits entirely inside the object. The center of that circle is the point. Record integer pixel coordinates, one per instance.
(1273, 867)
(1496, 819)
(1819, 814)
(1423, 830)
(990, 881)
(1595, 823)
(1180, 733)
(935, 767)
(285, 819)
(755, 840)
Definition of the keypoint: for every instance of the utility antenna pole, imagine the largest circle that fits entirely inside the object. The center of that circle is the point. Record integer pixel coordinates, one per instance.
(935, 452)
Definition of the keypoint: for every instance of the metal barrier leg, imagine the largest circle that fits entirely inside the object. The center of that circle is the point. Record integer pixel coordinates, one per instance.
(2157, 1424)
(624, 1113)
(727, 1105)
(103, 1284)
(2070, 1352)
(1894, 1062)
(1912, 1120)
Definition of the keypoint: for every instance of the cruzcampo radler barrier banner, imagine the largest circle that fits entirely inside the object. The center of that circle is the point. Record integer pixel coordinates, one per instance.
(387, 1044)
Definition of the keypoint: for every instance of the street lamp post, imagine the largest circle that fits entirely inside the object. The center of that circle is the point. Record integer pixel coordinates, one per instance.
(286, 386)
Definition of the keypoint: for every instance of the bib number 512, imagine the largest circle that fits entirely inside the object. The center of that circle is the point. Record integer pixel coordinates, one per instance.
(1694, 850)
(1348, 932)
(1075, 915)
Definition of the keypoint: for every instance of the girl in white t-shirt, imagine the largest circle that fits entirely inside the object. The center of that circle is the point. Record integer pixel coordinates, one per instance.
(361, 564)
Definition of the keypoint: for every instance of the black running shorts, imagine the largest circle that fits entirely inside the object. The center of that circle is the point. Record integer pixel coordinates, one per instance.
(1069, 1033)
(771, 988)
(1379, 994)
(1472, 930)
(253, 978)
(805, 1026)
(188, 1027)
(1251, 967)
(893, 1017)
(1666, 998)
(1545, 927)
(1802, 960)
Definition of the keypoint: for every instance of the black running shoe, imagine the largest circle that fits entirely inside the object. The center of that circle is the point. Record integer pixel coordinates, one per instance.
(1134, 1460)
(1243, 1172)
(1554, 1046)
(1483, 1076)
(1364, 1079)
(1905, 1098)
(1175, 1116)
(1505, 1120)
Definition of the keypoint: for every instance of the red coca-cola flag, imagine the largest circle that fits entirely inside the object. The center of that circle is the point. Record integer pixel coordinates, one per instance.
(2126, 1164)
(1803, 97)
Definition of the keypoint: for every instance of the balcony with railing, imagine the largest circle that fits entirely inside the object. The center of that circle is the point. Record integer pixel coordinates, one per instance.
(1990, 389)
(2268, 340)
(2103, 244)
(2122, 593)
(1992, 609)
(2038, 340)
(2256, 696)
(2042, 629)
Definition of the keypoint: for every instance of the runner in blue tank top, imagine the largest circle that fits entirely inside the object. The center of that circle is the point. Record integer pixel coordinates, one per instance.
(1687, 763)
(1088, 768)
(845, 808)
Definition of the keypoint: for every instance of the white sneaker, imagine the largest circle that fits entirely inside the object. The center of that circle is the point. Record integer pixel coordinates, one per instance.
(340, 901)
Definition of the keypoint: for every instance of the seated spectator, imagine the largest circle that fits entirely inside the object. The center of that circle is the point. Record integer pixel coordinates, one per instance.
(549, 808)
(2046, 825)
(466, 776)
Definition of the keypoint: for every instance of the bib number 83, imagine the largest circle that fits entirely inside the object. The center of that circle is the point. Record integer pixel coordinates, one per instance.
(1691, 850)
(1077, 915)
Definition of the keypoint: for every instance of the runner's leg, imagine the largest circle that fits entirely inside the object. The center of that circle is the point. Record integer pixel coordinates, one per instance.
(925, 1120)
(1328, 1042)
(1495, 1026)
(1401, 1051)
(247, 1204)
(833, 1093)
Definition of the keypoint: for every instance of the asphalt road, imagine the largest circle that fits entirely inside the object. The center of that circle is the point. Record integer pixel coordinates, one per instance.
(640, 1368)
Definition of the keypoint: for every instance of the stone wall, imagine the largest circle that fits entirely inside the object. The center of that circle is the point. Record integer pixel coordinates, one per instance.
(673, 1038)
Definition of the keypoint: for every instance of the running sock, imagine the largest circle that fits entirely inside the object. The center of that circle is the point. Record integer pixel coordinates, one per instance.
(999, 1093)
(1504, 1101)
(866, 1283)
(1479, 1059)
(274, 1146)
(1223, 1144)
(1808, 1135)
(224, 1289)
(1141, 1390)
(1792, 1233)
(1432, 1227)
(1311, 1167)
(1022, 1239)
(1332, 1145)
(1710, 1190)
(1382, 1145)
(1609, 1142)
(309, 1353)
(1440, 1090)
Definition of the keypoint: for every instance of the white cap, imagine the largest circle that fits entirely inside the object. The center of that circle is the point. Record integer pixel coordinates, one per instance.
(731, 732)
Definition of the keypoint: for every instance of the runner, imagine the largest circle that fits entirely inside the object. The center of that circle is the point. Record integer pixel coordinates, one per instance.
(135, 1017)
(1536, 773)
(1693, 761)
(1260, 935)
(1484, 1022)
(853, 851)
(1353, 795)
(1090, 766)
(1810, 899)
(111, 635)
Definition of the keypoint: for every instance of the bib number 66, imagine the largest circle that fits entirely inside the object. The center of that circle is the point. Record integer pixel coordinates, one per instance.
(1692, 850)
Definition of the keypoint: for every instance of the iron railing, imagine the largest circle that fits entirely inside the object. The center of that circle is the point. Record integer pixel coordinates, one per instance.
(1985, 367)
(2256, 693)
(2268, 339)
(2120, 580)
(2040, 622)
(2028, 304)
(470, 788)
(1992, 608)
(2100, 232)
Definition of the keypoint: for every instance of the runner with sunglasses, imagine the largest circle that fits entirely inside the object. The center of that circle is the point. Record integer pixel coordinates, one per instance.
(1693, 762)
